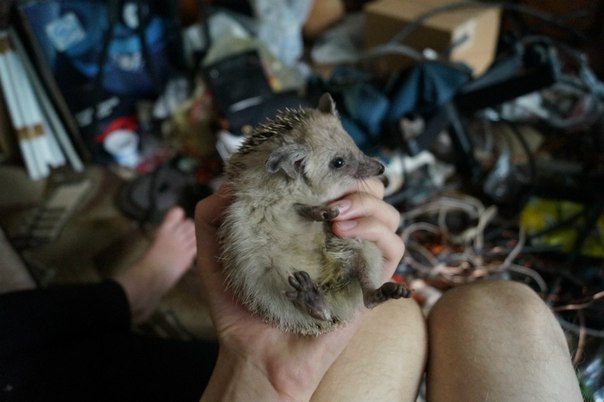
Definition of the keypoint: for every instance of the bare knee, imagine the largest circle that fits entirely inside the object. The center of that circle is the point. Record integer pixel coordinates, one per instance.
(497, 305)
(401, 310)
(396, 317)
(400, 328)
(384, 361)
(512, 297)
(497, 340)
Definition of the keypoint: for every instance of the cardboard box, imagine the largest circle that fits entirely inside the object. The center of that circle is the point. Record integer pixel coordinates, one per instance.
(478, 24)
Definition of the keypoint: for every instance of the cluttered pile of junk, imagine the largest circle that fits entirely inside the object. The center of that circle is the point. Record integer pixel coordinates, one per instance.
(486, 115)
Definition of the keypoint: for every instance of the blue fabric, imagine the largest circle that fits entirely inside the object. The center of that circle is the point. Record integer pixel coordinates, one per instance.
(125, 69)
(359, 136)
(367, 111)
(367, 106)
(425, 87)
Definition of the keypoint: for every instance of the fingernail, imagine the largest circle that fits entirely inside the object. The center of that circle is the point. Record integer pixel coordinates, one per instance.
(347, 225)
(343, 205)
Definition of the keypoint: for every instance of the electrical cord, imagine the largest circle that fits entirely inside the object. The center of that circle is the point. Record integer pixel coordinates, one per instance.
(396, 44)
(530, 157)
(462, 258)
(584, 83)
(569, 326)
(463, 267)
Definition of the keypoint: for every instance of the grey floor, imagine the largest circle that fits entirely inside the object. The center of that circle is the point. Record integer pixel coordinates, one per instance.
(96, 241)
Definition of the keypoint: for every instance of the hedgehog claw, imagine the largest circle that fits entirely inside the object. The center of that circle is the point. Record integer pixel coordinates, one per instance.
(317, 213)
(389, 290)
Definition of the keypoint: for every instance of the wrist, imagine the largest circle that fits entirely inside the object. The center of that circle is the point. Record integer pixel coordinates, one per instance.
(237, 378)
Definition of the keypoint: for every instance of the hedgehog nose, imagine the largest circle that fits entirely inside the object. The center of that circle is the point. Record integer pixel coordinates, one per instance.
(370, 167)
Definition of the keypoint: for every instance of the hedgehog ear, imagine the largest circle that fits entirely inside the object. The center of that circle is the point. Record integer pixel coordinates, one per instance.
(289, 158)
(327, 104)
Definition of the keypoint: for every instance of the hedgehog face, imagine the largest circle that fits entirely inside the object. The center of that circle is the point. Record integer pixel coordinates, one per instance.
(323, 170)
(355, 167)
(333, 172)
(316, 151)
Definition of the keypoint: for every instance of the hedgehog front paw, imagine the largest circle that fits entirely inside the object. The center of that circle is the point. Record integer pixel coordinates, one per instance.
(307, 296)
(317, 213)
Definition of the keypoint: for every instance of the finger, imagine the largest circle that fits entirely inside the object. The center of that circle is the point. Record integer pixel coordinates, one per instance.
(369, 229)
(373, 186)
(357, 205)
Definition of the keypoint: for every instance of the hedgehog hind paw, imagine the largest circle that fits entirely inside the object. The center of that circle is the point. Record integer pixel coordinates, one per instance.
(307, 296)
(389, 290)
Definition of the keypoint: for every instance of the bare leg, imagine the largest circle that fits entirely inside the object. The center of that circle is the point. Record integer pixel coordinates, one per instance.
(385, 359)
(163, 264)
(497, 341)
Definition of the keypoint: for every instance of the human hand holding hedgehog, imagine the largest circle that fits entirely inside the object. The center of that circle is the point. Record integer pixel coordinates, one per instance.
(270, 355)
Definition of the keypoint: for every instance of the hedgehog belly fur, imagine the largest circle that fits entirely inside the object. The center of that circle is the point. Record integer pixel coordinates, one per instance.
(261, 251)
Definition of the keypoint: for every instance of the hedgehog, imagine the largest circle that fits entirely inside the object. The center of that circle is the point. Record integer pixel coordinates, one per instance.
(280, 257)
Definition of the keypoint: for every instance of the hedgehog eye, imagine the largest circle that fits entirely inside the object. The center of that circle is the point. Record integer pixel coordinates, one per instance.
(337, 163)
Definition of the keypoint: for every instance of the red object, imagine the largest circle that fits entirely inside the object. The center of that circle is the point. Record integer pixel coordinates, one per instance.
(121, 123)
